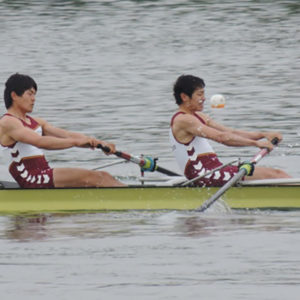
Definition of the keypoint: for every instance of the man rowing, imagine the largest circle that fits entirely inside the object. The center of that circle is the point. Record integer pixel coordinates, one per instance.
(23, 137)
(191, 129)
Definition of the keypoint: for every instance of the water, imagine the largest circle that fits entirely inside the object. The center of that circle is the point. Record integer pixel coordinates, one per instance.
(106, 68)
(151, 256)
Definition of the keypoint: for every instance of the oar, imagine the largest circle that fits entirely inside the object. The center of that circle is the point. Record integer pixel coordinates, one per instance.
(245, 169)
(146, 163)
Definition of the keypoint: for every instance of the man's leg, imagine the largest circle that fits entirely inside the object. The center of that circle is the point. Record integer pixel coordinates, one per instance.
(267, 173)
(76, 177)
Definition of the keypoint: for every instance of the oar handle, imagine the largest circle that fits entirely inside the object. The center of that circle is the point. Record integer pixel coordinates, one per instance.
(104, 148)
(275, 141)
(107, 150)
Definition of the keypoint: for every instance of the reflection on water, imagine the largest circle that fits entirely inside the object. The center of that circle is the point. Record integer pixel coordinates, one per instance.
(113, 225)
(26, 228)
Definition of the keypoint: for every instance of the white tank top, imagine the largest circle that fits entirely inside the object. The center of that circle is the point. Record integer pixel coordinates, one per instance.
(19, 151)
(188, 152)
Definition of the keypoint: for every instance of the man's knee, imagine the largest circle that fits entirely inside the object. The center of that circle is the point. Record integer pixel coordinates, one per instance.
(281, 174)
(275, 173)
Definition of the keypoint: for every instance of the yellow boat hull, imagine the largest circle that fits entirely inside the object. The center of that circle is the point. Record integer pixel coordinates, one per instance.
(15, 201)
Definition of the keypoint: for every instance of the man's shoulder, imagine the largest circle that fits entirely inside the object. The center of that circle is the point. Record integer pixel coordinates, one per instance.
(7, 120)
(39, 120)
(203, 116)
(181, 116)
(185, 121)
(7, 125)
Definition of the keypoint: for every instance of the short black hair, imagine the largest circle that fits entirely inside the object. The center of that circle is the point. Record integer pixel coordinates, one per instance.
(186, 84)
(17, 83)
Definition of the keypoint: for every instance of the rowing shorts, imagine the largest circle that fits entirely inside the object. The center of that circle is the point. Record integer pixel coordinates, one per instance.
(32, 173)
(203, 164)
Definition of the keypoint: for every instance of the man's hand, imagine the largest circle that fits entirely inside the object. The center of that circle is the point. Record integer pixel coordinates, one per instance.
(271, 135)
(265, 144)
(91, 142)
(109, 146)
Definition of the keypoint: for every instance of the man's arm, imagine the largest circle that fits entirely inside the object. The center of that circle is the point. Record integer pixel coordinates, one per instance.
(52, 131)
(187, 126)
(254, 135)
(14, 131)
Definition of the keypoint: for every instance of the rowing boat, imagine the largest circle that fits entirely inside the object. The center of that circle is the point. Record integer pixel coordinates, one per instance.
(260, 194)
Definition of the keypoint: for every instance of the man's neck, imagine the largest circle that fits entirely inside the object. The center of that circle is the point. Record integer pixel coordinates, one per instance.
(17, 113)
(185, 110)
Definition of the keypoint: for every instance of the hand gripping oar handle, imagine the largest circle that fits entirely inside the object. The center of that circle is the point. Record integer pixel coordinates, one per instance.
(146, 163)
(244, 170)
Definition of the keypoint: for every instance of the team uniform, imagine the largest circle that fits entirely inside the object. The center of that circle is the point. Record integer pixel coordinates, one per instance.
(27, 163)
(197, 157)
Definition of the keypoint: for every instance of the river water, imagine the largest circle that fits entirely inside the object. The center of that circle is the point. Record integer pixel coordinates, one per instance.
(106, 68)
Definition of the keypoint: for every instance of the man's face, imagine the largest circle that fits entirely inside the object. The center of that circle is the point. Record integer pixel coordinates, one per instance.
(197, 100)
(26, 101)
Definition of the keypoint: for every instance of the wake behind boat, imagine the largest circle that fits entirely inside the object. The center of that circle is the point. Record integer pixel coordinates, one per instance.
(260, 194)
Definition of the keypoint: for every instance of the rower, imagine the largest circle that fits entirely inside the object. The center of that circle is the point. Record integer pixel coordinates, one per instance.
(24, 137)
(191, 130)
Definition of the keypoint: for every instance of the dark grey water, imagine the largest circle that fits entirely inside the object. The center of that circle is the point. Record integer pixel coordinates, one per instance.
(106, 68)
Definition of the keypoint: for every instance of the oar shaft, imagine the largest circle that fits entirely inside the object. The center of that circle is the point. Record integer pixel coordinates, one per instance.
(222, 190)
(139, 161)
(166, 172)
(259, 155)
(123, 155)
(130, 158)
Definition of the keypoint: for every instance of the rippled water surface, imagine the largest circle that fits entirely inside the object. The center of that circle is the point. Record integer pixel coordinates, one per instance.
(106, 68)
(164, 255)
